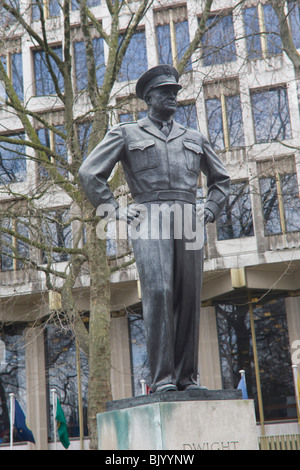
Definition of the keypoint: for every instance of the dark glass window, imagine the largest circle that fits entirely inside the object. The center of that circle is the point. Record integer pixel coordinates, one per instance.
(44, 84)
(271, 114)
(235, 220)
(135, 60)
(218, 45)
(62, 376)
(16, 75)
(12, 376)
(59, 145)
(90, 4)
(254, 30)
(53, 8)
(270, 199)
(56, 232)
(294, 17)
(139, 357)
(12, 160)
(186, 115)
(233, 125)
(182, 40)
(6, 18)
(81, 65)
(10, 245)
(273, 351)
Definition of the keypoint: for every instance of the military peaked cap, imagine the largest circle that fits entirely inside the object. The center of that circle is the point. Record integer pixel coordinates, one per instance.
(155, 77)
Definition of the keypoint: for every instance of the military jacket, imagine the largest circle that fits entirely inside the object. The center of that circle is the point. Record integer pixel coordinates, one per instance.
(153, 162)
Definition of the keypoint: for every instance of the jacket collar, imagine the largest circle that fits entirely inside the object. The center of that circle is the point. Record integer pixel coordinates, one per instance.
(150, 127)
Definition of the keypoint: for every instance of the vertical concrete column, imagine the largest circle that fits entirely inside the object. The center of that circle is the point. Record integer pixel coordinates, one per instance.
(120, 359)
(209, 355)
(36, 387)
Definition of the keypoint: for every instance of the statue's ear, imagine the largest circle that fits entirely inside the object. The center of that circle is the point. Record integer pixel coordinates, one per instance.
(147, 99)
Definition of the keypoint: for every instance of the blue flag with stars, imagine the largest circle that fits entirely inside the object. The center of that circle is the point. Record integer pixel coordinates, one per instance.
(23, 431)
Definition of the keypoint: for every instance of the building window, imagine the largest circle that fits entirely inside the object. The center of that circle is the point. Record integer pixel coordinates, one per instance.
(273, 352)
(81, 64)
(224, 115)
(12, 375)
(61, 366)
(6, 18)
(89, 3)
(50, 9)
(294, 17)
(270, 108)
(135, 59)
(139, 358)
(186, 115)
(218, 43)
(280, 203)
(44, 84)
(55, 142)
(13, 251)
(12, 160)
(172, 35)
(13, 65)
(235, 220)
(262, 31)
(56, 235)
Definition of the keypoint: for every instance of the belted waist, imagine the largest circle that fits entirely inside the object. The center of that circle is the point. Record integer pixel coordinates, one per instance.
(165, 195)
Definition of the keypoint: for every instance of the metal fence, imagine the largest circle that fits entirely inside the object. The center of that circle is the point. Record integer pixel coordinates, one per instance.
(284, 442)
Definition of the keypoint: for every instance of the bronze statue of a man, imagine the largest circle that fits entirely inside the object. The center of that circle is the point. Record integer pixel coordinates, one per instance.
(162, 161)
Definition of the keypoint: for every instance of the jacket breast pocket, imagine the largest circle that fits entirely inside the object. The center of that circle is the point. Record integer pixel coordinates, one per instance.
(142, 155)
(193, 152)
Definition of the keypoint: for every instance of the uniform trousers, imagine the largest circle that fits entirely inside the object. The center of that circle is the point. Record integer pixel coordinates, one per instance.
(170, 278)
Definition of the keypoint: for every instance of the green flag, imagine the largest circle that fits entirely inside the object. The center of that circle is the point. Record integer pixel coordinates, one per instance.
(61, 425)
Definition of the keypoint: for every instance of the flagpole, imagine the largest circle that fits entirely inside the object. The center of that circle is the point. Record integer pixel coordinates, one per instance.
(295, 370)
(53, 392)
(80, 410)
(143, 385)
(12, 415)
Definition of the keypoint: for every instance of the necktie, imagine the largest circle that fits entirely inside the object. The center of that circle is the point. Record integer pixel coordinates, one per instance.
(165, 128)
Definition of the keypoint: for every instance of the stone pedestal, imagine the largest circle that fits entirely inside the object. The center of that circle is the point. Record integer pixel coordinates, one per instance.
(195, 420)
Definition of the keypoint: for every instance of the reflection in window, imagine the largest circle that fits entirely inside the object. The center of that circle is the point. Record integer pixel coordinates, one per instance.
(13, 251)
(12, 160)
(139, 357)
(81, 64)
(166, 53)
(218, 45)
(12, 376)
(274, 359)
(271, 114)
(135, 59)
(62, 375)
(56, 143)
(50, 8)
(6, 18)
(89, 3)
(44, 84)
(294, 17)
(235, 220)
(56, 233)
(186, 115)
(276, 193)
(262, 31)
(224, 115)
(13, 65)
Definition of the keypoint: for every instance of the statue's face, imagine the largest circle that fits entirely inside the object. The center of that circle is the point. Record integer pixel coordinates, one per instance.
(163, 101)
